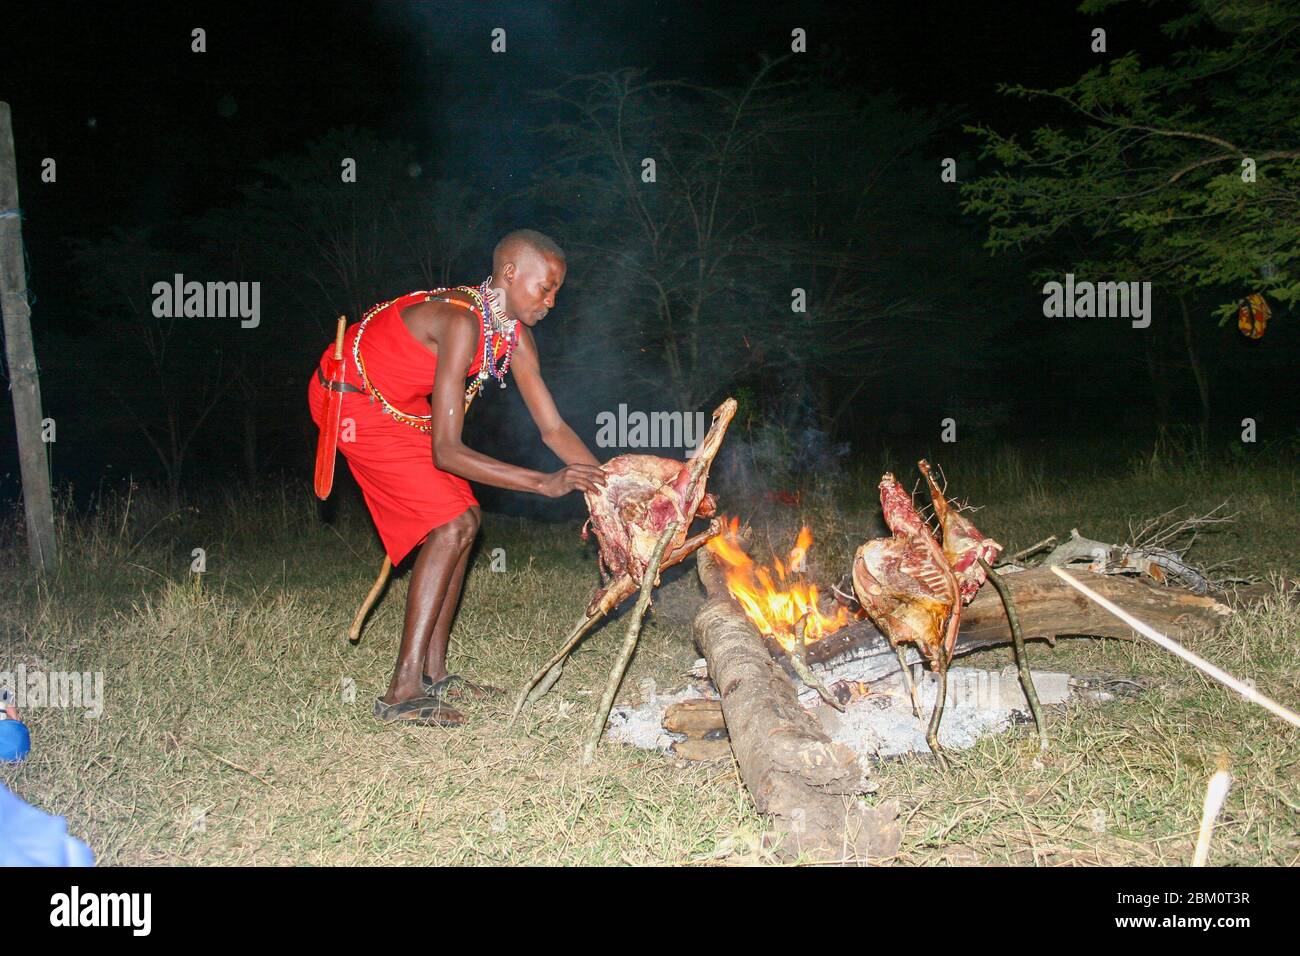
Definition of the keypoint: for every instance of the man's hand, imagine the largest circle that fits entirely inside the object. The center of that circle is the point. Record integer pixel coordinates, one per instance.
(573, 478)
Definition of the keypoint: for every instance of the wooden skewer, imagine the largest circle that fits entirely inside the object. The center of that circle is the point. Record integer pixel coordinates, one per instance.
(619, 590)
(1022, 656)
(546, 676)
(648, 581)
(1173, 647)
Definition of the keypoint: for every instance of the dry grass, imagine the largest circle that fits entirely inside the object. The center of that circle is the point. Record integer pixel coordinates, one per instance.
(226, 737)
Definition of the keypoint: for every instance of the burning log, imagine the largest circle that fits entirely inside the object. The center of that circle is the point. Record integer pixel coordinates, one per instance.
(791, 768)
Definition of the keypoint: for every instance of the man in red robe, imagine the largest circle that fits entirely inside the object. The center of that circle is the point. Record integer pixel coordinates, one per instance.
(407, 455)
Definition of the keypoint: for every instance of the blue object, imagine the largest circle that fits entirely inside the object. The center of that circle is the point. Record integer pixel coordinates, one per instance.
(15, 741)
(32, 837)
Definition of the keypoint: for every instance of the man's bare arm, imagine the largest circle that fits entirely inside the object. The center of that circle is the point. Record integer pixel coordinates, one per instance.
(457, 337)
(555, 431)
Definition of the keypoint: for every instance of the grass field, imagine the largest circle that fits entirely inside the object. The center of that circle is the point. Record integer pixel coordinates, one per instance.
(227, 736)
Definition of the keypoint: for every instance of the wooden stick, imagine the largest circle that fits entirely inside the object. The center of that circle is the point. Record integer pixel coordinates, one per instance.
(936, 715)
(1173, 647)
(799, 661)
(908, 679)
(354, 632)
(1022, 656)
(338, 338)
(618, 591)
(648, 582)
(1034, 548)
(556, 663)
(1216, 791)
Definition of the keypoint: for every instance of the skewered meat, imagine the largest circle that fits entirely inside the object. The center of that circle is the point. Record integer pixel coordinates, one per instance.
(904, 582)
(963, 544)
(971, 555)
(914, 589)
(643, 494)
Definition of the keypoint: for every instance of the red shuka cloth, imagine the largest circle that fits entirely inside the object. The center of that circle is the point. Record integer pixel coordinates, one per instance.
(406, 493)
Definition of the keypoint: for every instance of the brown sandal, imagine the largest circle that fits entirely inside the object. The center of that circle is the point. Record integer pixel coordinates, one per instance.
(455, 687)
(420, 711)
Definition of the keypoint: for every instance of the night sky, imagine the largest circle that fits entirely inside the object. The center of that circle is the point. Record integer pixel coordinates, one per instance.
(146, 132)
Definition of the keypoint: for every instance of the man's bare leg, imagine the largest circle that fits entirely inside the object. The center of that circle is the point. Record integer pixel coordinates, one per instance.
(435, 664)
(430, 580)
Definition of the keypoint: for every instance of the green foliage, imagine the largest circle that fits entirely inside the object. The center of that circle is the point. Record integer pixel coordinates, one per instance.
(1149, 162)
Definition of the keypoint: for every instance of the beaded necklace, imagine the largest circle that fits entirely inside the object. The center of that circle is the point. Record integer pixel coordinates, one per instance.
(494, 324)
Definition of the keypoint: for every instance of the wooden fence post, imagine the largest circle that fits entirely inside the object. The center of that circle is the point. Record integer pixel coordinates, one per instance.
(24, 380)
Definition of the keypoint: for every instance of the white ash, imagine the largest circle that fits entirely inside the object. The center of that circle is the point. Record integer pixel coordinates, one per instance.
(641, 724)
(980, 702)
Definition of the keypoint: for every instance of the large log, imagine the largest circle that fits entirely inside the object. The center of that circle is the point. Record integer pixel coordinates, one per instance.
(1048, 609)
(794, 772)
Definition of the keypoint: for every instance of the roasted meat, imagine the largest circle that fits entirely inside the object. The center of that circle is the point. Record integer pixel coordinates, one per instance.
(643, 494)
(913, 588)
(904, 582)
(963, 544)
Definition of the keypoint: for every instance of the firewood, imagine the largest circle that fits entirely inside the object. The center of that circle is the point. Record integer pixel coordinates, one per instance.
(702, 749)
(697, 703)
(693, 720)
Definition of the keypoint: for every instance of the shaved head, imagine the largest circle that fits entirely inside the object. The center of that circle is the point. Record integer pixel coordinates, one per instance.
(530, 268)
(517, 244)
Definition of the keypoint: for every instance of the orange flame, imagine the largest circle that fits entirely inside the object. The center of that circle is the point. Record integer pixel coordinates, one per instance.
(775, 606)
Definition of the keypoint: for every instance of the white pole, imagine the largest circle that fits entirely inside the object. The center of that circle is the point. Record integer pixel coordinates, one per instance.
(1215, 793)
(1173, 647)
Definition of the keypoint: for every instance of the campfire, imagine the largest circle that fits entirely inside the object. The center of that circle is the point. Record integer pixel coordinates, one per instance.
(778, 601)
(917, 595)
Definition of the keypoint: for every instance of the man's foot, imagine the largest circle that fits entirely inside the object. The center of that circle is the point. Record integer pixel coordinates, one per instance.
(455, 687)
(420, 711)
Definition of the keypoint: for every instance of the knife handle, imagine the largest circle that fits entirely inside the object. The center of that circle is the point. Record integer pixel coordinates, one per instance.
(338, 338)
